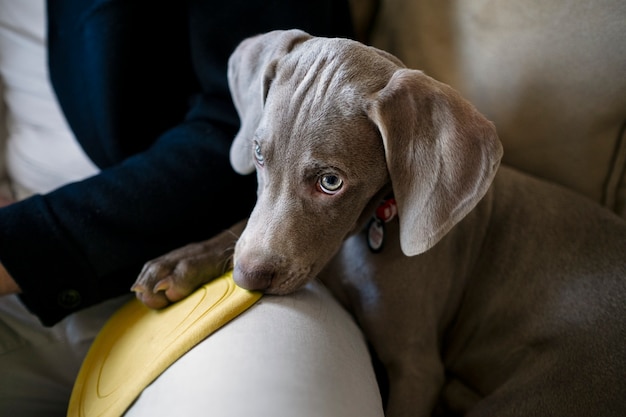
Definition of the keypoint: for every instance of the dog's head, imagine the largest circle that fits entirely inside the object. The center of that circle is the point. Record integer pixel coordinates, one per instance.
(331, 125)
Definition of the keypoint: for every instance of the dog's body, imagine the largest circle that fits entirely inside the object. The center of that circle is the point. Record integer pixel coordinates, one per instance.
(512, 299)
(520, 310)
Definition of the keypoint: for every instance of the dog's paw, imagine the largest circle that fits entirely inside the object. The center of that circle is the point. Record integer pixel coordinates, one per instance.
(170, 278)
(175, 275)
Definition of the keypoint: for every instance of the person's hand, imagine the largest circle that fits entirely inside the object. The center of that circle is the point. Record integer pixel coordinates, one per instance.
(7, 284)
(5, 201)
(6, 197)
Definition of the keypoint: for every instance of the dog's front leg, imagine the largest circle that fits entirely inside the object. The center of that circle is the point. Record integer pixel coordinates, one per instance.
(414, 392)
(175, 275)
(414, 368)
(386, 294)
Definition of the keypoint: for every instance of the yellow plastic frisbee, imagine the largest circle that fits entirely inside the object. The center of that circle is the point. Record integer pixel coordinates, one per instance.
(137, 344)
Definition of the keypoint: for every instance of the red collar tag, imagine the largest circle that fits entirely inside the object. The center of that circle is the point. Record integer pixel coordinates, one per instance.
(387, 210)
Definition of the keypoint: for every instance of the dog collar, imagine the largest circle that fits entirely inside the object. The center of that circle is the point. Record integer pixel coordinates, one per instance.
(385, 212)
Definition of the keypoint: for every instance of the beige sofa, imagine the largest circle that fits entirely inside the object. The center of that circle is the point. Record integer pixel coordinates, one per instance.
(551, 74)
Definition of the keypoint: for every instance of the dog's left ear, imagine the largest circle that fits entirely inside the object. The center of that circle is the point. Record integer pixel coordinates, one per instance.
(251, 68)
(442, 155)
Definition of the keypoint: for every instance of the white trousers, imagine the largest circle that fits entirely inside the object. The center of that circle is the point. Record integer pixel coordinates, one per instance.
(299, 355)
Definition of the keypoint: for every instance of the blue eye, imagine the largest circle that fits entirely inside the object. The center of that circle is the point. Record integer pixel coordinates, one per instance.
(258, 155)
(330, 183)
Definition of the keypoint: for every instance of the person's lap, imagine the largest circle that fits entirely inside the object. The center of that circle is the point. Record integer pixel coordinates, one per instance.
(294, 355)
(288, 355)
(38, 364)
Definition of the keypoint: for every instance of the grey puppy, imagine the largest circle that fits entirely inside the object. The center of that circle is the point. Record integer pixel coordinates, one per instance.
(490, 293)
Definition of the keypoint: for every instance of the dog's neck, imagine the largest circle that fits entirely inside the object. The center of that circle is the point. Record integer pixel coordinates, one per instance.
(375, 233)
(370, 209)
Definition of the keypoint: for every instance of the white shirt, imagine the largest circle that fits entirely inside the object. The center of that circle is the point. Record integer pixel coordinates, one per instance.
(41, 151)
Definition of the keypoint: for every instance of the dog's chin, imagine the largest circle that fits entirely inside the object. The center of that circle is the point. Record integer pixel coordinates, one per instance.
(288, 286)
(271, 283)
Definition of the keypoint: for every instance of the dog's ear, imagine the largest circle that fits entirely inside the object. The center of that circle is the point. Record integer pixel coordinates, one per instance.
(251, 68)
(442, 155)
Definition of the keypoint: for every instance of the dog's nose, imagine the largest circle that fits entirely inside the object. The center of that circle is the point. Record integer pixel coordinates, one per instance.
(254, 278)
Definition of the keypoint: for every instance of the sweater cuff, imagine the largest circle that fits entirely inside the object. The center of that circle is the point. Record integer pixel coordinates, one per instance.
(54, 276)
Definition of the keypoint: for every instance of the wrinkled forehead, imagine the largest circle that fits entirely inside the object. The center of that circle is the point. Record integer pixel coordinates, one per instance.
(325, 80)
(317, 98)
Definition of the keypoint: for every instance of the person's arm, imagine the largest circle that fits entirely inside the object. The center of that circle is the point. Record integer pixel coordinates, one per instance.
(119, 72)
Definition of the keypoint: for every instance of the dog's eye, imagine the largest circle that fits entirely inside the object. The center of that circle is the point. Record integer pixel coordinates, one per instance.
(258, 155)
(330, 184)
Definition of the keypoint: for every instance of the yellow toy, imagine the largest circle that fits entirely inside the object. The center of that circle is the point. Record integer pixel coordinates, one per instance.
(137, 344)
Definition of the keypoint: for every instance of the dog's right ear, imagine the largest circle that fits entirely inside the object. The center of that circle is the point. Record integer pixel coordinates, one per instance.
(251, 69)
